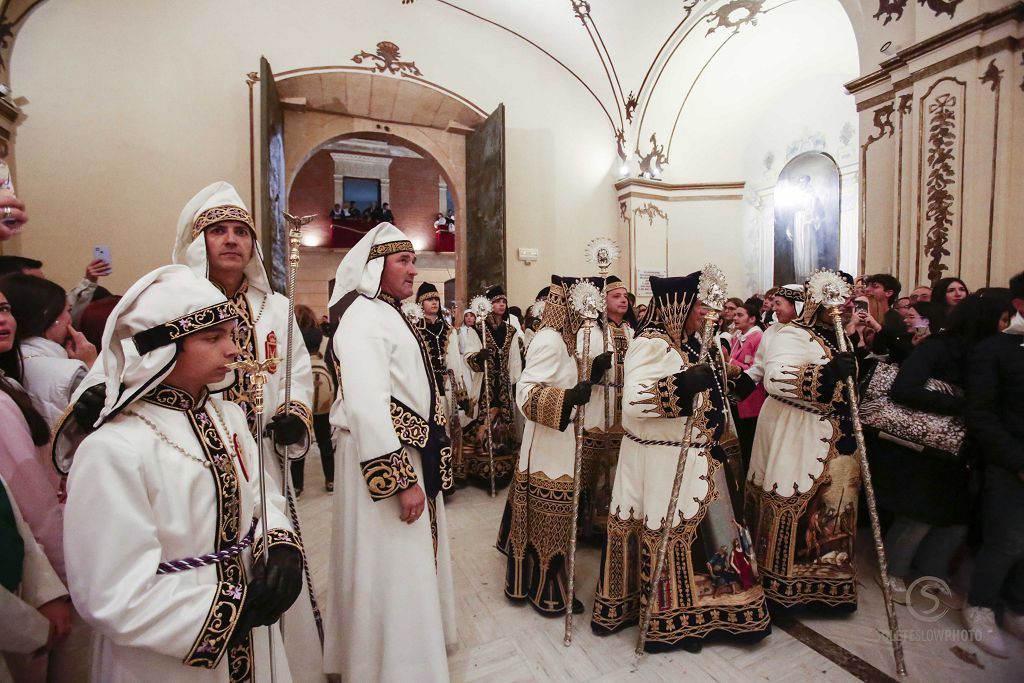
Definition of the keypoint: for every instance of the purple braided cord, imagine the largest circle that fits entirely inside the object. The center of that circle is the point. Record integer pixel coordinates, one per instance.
(293, 514)
(173, 566)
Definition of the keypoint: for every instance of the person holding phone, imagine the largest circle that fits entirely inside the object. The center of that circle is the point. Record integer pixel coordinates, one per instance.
(85, 291)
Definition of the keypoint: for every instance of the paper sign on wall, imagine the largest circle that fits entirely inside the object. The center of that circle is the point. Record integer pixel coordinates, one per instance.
(643, 280)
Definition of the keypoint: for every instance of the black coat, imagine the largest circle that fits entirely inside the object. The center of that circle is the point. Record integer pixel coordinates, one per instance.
(917, 485)
(995, 403)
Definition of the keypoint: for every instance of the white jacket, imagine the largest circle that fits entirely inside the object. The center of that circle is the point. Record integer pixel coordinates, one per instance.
(50, 377)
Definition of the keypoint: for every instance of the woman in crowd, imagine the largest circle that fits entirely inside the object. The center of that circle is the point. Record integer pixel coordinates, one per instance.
(746, 339)
(51, 357)
(928, 492)
(946, 294)
(33, 484)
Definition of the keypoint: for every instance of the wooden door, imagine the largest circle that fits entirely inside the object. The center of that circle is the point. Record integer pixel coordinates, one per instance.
(485, 205)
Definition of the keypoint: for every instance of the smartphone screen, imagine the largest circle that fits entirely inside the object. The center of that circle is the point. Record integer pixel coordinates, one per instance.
(101, 253)
(860, 306)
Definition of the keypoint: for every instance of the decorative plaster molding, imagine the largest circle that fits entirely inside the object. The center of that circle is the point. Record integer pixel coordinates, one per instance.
(386, 60)
(941, 158)
(649, 211)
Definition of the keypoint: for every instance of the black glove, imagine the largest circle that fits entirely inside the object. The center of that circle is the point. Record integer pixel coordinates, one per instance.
(286, 430)
(464, 405)
(88, 406)
(843, 365)
(600, 366)
(579, 395)
(694, 380)
(490, 353)
(275, 586)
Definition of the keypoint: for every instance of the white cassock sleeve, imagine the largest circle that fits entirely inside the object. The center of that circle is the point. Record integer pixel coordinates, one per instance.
(516, 358)
(474, 377)
(365, 363)
(648, 389)
(539, 401)
(457, 365)
(112, 547)
(22, 628)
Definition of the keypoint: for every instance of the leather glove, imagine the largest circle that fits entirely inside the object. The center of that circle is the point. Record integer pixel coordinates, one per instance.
(286, 430)
(600, 366)
(464, 405)
(275, 586)
(694, 380)
(579, 395)
(87, 408)
(843, 365)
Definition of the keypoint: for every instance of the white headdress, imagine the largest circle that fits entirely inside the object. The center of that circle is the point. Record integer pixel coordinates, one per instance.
(140, 340)
(213, 204)
(363, 265)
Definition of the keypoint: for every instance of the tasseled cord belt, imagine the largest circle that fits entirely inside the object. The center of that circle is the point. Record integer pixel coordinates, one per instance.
(235, 550)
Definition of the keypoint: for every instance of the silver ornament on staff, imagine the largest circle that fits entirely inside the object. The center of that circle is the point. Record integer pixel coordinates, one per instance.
(413, 312)
(295, 224)
(587, 302)
(828, 289)
(256, 371)
(712, 292)
(481, 307)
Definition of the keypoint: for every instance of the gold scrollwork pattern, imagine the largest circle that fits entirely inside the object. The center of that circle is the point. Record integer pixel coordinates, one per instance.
(447, 477)
(276, 537)
(211, 643)
(388, 248)
(216, 214)
(544, 406)
(412, 430)
(388, 474)
(300, 410)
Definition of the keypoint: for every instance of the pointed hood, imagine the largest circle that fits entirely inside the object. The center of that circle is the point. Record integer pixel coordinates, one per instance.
(671, 302)
(211, 205)
(360, 271)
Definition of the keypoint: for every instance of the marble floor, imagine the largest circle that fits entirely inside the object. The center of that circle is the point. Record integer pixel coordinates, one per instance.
(503, 642)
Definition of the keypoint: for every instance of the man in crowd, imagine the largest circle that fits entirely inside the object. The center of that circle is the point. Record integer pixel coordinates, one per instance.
(803, 462)
(533, 534)
(995, 415)
(217, 239)
(494, 352)
(392, 605)
(665, 384)
(172, 478)
(442, 345)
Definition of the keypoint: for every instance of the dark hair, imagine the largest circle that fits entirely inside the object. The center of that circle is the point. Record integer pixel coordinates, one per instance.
(1017, 285)
(37, 426)
(940, 287)
(312, 337)
(753, 310)
(16, 264)
(929, 312)
(976, 318)
(516, 311)
(35, 303)
(888, 282)
(735, 300)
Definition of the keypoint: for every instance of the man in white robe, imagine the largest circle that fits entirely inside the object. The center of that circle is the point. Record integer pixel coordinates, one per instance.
(391, 608)
(179, 578)
(217, 239)
(534, 532)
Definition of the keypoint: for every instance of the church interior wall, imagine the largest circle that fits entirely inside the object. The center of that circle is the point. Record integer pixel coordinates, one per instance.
(157, 105)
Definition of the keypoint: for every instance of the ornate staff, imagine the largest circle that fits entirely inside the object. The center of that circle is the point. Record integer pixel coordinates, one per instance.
(257, 373)
(603, 251)
(586, 301)
(828, 289)
(295, 224)
(481, 306)
(711, 291)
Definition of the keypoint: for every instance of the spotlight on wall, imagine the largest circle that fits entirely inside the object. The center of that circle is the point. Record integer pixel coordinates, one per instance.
(623, 170)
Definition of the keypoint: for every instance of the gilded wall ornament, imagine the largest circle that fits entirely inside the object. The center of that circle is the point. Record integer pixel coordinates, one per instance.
(387, 60)
(882, 121)
(941, 6)
(906, 104)
(581, 8)
(655, 160)
(941, 175)
(650, 211)
(735, 14)
(890, 10)
(993, 76)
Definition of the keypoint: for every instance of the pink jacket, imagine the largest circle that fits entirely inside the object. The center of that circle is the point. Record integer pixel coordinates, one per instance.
(33, 482)
(743, 356)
